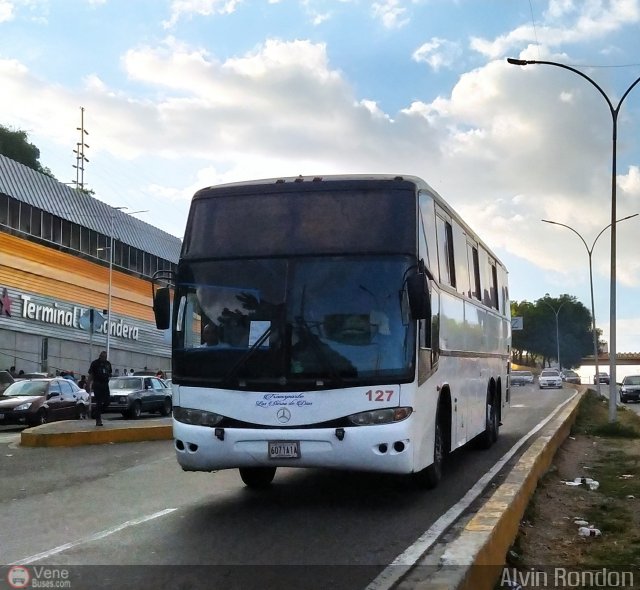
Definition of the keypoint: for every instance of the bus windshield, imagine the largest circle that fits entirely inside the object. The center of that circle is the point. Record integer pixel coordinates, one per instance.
(283, 324)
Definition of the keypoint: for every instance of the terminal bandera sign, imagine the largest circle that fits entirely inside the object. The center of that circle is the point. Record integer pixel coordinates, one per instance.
(70, 318)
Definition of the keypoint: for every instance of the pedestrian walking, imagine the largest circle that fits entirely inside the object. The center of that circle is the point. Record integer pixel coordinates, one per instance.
(82, 384)
(99, 374)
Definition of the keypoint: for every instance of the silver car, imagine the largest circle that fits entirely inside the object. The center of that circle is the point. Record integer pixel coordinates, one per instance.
(521, 377)
(550, 378)
(133, 395)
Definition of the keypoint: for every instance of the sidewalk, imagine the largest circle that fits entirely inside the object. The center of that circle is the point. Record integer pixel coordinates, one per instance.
(72, 433)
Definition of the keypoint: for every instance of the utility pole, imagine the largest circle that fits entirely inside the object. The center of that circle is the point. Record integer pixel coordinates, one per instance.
(79, 152)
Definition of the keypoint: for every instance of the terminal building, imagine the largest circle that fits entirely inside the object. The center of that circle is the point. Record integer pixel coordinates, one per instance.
(67, 258)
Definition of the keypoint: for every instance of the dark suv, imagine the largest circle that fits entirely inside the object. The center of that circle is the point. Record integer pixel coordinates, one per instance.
(630, 389)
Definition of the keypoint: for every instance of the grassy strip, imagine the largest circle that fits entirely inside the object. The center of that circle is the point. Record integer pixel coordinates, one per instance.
(615, 463)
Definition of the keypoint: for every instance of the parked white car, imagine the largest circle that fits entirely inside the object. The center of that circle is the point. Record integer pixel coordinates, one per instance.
(550, 378)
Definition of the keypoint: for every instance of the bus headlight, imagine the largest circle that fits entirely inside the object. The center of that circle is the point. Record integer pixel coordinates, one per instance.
(386, 416)
(196, 417)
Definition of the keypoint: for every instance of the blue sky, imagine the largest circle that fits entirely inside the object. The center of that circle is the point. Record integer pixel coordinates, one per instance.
(181, 94)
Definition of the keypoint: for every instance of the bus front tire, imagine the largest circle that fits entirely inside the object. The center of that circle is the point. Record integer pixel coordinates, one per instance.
(257, 477)
(430, 476)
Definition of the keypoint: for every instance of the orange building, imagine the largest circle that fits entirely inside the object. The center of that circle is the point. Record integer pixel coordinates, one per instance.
(64, 253)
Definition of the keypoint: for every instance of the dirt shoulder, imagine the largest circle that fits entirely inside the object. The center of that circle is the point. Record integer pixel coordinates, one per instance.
(596, 451)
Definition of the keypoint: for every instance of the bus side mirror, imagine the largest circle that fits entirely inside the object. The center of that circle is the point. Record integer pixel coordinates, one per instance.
(162, 307)
(419, 300)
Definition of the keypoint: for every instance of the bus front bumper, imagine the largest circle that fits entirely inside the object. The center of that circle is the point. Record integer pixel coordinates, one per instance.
(384, 448)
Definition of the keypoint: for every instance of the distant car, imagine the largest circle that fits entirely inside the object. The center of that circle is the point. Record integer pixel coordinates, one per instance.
(38, 401)
(601, 377)
(549, 378)
(521, 377)
(31, 376)
(5, 380)
(136, 394)
(630, 389)
(569, 376)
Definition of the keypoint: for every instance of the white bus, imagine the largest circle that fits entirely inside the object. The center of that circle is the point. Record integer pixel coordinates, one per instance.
(345, 322)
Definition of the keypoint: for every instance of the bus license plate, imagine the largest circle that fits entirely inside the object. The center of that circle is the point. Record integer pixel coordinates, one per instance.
(284, 449)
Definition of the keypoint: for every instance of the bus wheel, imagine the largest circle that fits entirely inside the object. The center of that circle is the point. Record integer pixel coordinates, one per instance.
(257, 477)
(490, 434)
(430, 476)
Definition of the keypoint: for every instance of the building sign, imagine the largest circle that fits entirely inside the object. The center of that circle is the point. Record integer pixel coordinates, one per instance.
(69, 317)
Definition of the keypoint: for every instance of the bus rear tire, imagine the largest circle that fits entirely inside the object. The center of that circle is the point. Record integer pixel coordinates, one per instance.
(492, 425)
(257, 477)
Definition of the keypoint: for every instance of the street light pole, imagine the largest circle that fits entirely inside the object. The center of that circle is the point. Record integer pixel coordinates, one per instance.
(113, 213)
(614, 139)
(593, 310)
(110, 286)
(556, 312)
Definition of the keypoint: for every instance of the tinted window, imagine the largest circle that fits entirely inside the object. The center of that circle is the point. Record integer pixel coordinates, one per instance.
(329, 219)
(66, 388)
(125, 383)
(26, 388)
(54, 387)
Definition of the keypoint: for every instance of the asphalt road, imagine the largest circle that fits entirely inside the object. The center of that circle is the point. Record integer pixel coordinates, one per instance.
(126, 516)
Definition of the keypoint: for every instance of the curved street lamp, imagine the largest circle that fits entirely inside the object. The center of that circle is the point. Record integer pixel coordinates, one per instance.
(614, 138)
(593, 310)
(556, 312)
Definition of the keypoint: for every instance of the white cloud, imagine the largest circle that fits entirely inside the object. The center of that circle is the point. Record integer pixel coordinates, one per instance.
(437, 53)
(630, 183)
(391, 13)
(565, 22)
(187, 8)
(6, 10)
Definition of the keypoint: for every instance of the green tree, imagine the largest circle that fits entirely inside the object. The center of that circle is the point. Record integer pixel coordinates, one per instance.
(16, 145)
(537, 339)
(522, 342)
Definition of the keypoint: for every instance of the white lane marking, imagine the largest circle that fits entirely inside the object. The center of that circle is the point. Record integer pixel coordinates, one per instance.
(517, 406)
(94, 537)
(8, 438)
(401, 564)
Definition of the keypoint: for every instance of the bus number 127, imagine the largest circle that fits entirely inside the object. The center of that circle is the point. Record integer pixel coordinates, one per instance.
(379, 395)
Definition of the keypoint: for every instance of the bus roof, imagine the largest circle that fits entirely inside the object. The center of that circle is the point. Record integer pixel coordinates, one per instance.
(305, 183)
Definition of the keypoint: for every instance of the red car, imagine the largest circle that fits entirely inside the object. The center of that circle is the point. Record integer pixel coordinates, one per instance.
(38, 401)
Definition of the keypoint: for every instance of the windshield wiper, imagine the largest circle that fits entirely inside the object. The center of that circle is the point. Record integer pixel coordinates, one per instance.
(247, 355)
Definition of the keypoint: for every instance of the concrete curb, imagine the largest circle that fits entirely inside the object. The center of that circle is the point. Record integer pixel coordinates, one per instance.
(41, 437)
(487, 537)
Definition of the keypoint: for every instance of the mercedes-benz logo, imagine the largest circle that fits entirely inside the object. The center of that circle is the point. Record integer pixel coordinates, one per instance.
(283, 415)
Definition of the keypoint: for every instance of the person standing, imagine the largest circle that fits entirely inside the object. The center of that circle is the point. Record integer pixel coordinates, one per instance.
(99, 374)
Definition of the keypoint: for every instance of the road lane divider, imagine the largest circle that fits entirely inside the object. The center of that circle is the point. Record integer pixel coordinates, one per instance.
(91, 538)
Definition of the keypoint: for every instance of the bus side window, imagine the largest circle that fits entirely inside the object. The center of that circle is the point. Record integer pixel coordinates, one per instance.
(429, 334)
